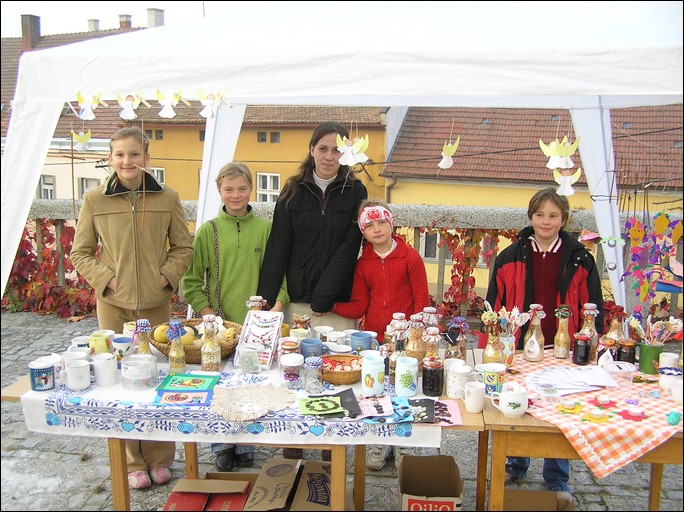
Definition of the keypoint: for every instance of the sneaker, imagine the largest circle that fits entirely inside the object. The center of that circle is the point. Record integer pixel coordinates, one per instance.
(160, 475)
(139, 480)
(400, 452)
(377, 456)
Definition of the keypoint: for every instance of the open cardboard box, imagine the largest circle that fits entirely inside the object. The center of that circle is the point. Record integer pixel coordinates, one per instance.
(522, 499)
(218, 491)
(430, 483)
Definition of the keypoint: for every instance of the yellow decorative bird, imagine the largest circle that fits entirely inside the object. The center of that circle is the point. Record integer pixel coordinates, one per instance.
(559, 153)
(81, 139)
(448, 151)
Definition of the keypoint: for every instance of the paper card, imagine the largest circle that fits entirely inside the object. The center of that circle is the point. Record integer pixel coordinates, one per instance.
(320, 405)
(260, 331)
(378, 405)
(402, 412)
(188, 382)
(447, 413)
(348, 402)
(184, 398)
(423, 410)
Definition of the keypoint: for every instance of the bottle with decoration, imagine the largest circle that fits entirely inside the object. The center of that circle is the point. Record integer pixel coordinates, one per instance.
(256, 303)
(414, 345)
(608, 343)
(142, 336)
(492, 352)
(561, 341)
(590, 311)
(176, 352)
(533, 343)
(457, 343)
(431, 340)
(211, 351)
(430, 317)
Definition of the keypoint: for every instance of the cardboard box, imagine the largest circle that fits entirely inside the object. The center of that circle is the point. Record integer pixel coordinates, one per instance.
(218, 491)
(274, 485)
(313, 490)
(430, 483)
(522, 499)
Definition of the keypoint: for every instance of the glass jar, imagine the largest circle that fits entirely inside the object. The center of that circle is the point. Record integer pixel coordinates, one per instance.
(139, 371)
(433, 376)
(414, 346)
(142, 336)
(492, 352)
(176, 352)
(533, 344)
(291, 366)
(431, 339)
(457, 343)
(430, 317)
(288, 346)
(313, 374)
(626, 350)
(211, 351)
(256, 303)
(561, 341)
(399, 351)
(590, 312)
(580, 349)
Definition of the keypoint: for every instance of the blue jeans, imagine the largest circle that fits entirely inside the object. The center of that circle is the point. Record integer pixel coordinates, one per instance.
(239, 448)
(556, 472)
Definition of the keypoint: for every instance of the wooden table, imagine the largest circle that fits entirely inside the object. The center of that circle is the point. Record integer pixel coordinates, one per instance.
(530, 437)
(119, 472)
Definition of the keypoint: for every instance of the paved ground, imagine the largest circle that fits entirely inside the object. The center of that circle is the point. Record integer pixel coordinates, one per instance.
(43, 472)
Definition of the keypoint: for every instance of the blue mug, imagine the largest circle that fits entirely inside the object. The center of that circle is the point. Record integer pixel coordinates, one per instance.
(363, 341)
(312, 347)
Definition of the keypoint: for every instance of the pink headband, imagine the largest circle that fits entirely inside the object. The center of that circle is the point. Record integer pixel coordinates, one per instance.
(372, 213)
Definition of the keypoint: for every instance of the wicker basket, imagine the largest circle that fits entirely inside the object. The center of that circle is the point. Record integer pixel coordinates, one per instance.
(193, 353)
(341, 376)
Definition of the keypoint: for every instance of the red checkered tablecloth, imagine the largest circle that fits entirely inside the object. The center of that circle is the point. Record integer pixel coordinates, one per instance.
(606, 447)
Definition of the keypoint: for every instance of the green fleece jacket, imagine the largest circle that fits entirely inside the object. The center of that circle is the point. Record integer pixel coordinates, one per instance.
(242, 243)
(139, 235)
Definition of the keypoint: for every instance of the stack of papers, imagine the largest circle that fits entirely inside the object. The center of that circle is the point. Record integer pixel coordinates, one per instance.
(569, 380)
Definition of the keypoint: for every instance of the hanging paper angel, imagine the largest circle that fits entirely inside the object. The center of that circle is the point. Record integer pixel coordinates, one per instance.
(211, 103)
(81, 139)
(129, 104)
(88, 105)
(559, 153)
(566, 180)
(448, 151)
(167, 102)
(352, 151)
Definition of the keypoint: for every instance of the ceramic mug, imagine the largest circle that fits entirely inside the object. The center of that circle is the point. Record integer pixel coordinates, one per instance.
(341, 349)
(675, 390)
(512, 401)
(128, 329)
(668, 360)
(492, 375)
(457, 376)
(312, 347)
(473, 395)
(77, 374)
(101, 342)
(363, 341)
(372, 375)
(337, 337)
(42, 375)
(121, 347)
(81, 342)
(57, 362)
(321, 332)
(106, 369)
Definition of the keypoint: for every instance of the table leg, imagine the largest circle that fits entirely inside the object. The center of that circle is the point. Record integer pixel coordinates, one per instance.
(497, 470)
(191, 460)
(360, 477)
(338, 476)
(118, 467)
(656, 486)
(481, 484)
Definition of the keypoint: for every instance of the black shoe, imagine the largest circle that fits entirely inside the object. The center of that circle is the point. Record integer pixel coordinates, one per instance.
(293, 453)
(244, 460)
(225, 459)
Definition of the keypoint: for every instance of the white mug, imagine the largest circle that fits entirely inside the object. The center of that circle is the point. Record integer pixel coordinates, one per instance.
(81, 342)
(675, 390)
(74, 355)
(668, 360)
(337, 337)
(456, 376)
(57, 362)
(321, 332)
(77, 375)
(473, 395)
(73, 349)
(512, 401)
(106, 370)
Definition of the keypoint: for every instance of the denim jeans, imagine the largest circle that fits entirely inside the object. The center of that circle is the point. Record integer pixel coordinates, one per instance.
(556, 472)
(239, 448)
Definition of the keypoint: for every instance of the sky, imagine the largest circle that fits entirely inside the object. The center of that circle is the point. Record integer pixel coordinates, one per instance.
(68, 17)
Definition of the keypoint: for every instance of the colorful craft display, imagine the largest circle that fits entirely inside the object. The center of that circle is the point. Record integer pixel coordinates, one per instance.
(261, 330)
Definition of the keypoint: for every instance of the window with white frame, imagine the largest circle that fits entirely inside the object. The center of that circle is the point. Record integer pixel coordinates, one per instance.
(87, 184)
(158, 172)
(268, 187)
(46, 187)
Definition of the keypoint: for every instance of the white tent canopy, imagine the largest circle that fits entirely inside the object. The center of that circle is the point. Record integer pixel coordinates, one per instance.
(585, 57)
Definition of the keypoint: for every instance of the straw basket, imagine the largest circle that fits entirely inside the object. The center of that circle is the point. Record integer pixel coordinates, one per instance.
(193, 353)
(347, 369)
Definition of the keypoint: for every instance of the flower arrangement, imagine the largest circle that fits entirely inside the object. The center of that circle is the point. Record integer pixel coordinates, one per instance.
(505, 322)
(656, 333)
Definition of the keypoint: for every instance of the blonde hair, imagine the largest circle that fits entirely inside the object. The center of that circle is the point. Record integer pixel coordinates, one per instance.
(234, 170)
(132, 132)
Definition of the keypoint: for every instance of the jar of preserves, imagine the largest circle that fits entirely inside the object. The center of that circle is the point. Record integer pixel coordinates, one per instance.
(580, 349)
(433, 376)
(626, 350)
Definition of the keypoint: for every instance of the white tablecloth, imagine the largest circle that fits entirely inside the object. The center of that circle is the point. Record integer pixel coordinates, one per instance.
(120, 413)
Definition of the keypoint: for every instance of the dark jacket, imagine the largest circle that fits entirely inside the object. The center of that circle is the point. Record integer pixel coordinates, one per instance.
(578, 280)
(315, 240)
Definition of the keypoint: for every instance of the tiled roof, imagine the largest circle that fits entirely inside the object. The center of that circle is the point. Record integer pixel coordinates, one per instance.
(502, 145)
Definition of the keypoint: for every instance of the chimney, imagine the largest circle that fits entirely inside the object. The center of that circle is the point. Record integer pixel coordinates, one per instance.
(30, 31)
(93, 25)
(155, 18)
(125, 22)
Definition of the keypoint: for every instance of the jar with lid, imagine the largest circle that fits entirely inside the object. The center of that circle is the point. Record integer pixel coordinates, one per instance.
(626, 350)
(142, 336)
(211, 351)
(430, 317)
(414, 346)
(533, 344)
(313, 374)
(291, 366)
(301, 323)
(590, 311)
(255, 303)
(580, 349)
(431, 339)
(561, 341)
(176, 352)
(288, 346)
(433, 376)
(457, 343)
(492, 352)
